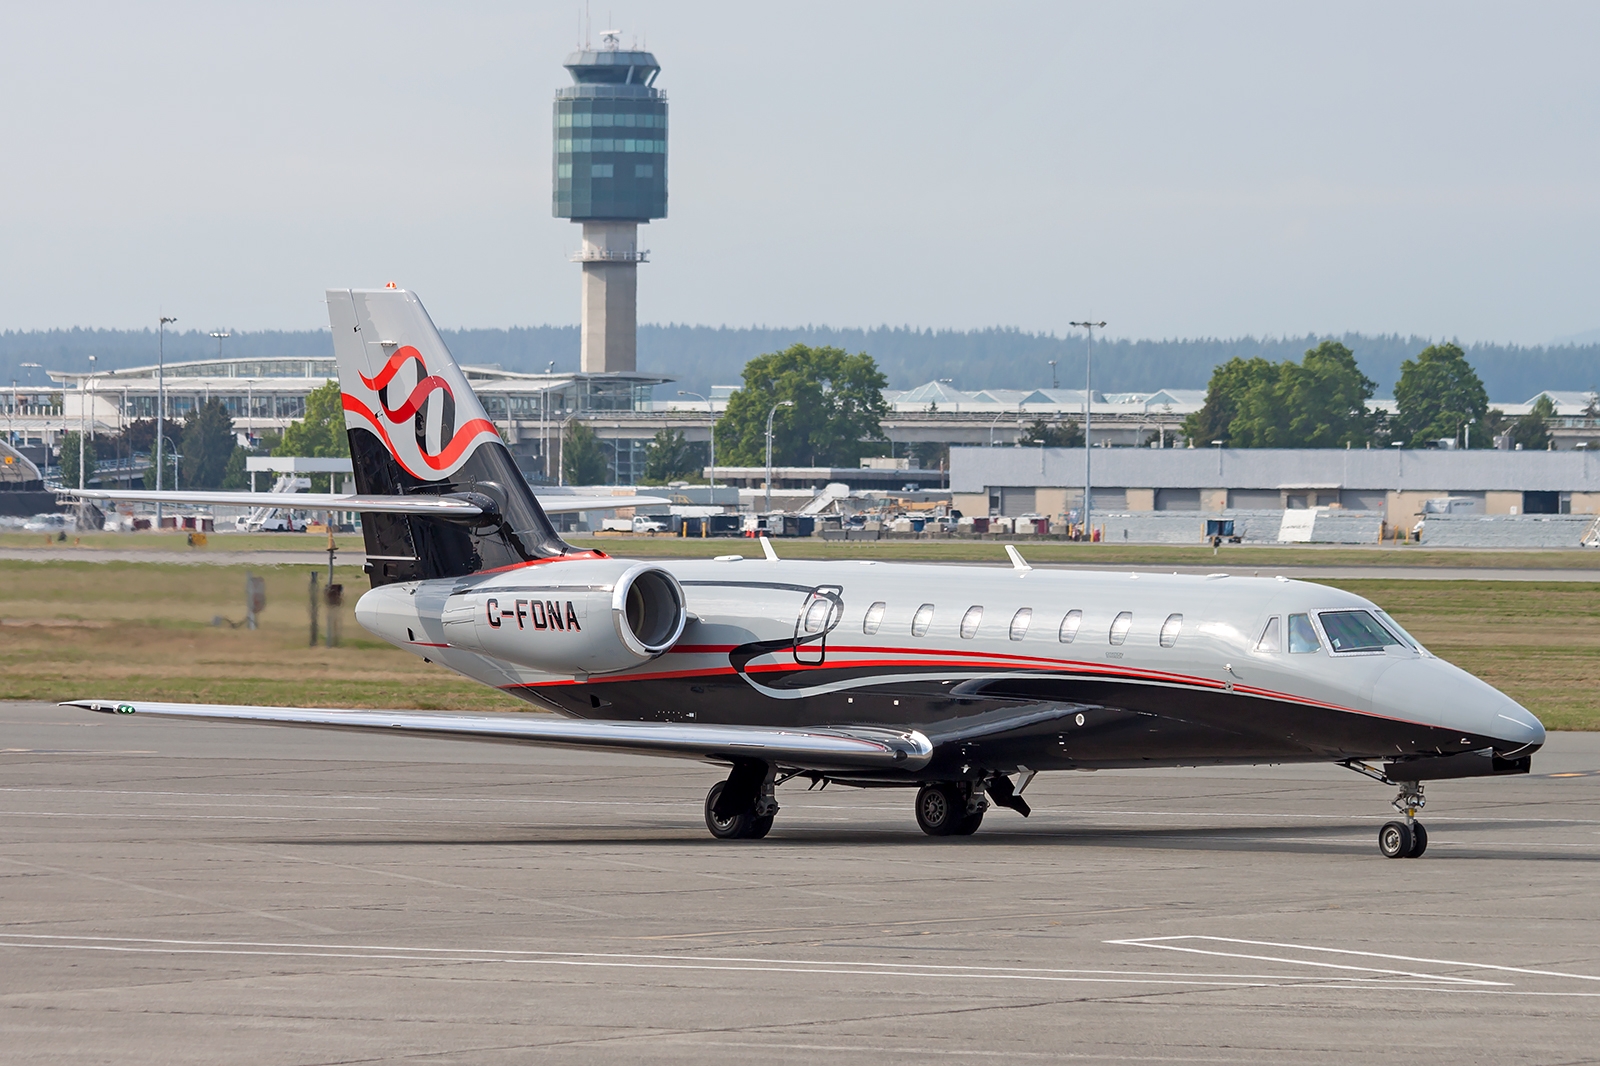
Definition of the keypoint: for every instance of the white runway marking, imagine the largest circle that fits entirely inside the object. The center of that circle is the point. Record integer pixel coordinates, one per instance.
(1350, 977)
(1165, 943)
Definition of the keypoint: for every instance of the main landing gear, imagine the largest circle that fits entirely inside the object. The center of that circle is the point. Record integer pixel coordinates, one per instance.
(956, 808)
(743, 806)
(1398, 839)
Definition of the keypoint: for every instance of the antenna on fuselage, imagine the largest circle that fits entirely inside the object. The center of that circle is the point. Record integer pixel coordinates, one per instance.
(1017, 561)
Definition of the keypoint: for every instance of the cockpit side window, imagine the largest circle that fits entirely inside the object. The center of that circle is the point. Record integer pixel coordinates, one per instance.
(1302, 635)
(1356, 631)
(1271, 636)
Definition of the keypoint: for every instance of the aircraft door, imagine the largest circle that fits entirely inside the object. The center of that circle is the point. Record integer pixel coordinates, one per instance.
(822, 611)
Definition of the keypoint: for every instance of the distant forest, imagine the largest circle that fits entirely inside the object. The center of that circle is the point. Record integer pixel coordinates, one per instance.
(697, 357)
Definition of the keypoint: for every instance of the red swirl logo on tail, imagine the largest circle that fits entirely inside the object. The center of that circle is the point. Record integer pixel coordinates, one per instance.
(412, 408)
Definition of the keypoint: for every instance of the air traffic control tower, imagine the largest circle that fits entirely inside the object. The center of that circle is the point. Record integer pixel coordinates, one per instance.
(610, 175)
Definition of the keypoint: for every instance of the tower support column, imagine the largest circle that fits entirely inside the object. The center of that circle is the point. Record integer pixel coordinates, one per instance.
(610, 259)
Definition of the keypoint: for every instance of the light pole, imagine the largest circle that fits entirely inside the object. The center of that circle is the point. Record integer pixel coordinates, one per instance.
(1054, 384)
(161, 401)
(1018, 443)
(1088, 405)
(711, 411)
(220, 335)
(83, 422)
(780, 403)
(992, 424)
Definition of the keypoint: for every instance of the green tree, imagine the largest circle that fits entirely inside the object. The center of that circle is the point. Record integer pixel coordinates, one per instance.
(1229, 383)
(1438, 393)
(1531, 431)
(69, 461)
(1053, 434)
(236, 477)
(208, 444)
(1319, 402)
(835, 418)
(320, 433)
(583, 461)
(670, 456)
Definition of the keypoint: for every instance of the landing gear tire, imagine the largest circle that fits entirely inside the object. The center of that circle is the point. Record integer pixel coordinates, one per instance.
(942, 810)
(969, 825)
(1419, 840)
(1395, 840)
(746, 825)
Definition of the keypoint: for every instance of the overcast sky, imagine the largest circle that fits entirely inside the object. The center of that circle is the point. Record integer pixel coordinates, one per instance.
(1177, 169)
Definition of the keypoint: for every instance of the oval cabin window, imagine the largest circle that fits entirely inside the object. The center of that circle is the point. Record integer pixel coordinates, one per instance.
(921, 620)
(1070, 625)
(969, 622)
(873, 618)
(1120, 626)
(1019, 623)
(1170, 630)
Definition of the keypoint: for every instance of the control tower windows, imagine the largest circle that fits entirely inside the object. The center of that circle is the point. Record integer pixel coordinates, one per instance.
(644, 170)
(600, 170)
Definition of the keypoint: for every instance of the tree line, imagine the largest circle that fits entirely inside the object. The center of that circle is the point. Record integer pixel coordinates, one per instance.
(1323, 402)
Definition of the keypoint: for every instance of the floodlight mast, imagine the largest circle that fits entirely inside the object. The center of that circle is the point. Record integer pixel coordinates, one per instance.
(1088, 404)
(161, 401)
(780, 403)
(712, 412)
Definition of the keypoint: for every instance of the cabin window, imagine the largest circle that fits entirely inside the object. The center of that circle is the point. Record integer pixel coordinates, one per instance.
(1356, 631)
(1271, 636)
(1170, 630)
(1019, 623)
(1120, 626)
(921, 620)
(1069, 626)
(817, 615)
(1302, 635)
(873, 618)
(970, 620)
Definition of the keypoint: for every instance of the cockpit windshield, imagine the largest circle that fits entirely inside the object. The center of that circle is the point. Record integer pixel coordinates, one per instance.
(1356, 631)
(1407, 638)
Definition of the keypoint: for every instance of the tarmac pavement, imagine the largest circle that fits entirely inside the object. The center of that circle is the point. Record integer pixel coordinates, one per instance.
(175, 892)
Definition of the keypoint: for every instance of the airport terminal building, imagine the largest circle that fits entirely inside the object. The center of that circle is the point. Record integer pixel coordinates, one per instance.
(1397, 486)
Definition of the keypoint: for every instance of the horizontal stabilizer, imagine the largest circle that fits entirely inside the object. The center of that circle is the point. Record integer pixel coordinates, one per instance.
(437, 506)
(818, 749)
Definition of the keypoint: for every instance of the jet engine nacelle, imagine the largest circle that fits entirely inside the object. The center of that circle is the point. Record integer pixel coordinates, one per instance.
(572, 617)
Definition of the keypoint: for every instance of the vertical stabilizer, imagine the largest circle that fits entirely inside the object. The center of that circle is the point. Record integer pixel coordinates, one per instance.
(416, 427)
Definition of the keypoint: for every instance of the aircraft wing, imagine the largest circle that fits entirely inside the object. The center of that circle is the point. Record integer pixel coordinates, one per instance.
(822, 749)
(572, 504)
(438, 506)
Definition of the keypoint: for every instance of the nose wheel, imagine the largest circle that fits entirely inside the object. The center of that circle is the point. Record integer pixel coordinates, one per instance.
(1399, 839)
(1407, 839)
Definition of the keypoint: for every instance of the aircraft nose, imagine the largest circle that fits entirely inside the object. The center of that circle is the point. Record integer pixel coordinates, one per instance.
(1433, 691)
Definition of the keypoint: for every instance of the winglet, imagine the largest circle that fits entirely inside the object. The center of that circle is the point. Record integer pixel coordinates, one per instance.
(1017, 561)
(766, 549)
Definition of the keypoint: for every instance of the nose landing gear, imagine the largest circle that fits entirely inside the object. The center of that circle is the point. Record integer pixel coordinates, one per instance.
(1398, 839)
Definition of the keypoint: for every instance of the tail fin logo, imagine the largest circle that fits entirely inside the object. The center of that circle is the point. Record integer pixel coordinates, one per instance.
(429, 407)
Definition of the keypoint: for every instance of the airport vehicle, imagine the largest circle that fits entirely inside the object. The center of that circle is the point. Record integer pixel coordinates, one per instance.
(960, 682)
